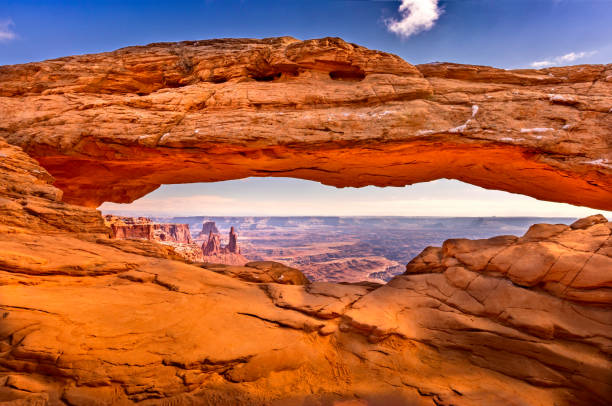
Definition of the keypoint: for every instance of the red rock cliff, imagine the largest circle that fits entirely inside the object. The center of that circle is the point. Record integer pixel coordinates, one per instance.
(230, 254)
(143, 228)
(207, 228)
(213, 245)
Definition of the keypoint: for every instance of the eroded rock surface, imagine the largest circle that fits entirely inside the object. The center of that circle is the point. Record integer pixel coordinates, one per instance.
(125, 228)
(88, 320)
(207, 228)
(261, 272)
(213, 252)
(112, 126)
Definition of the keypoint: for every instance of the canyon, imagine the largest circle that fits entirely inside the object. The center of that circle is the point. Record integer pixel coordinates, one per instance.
(88, 319)
(178, 236)
(143, 228)
(351, 248)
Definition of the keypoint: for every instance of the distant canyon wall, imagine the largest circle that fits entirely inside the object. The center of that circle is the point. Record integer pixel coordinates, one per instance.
(156, 232)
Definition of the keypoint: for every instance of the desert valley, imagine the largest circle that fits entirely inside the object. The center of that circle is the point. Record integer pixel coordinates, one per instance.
(103, 309)
(328, 249)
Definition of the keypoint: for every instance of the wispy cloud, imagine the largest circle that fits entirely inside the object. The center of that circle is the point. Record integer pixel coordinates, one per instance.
(563, 59)
(189, 205)
(417, 16)
(6, 30)
(438, 198)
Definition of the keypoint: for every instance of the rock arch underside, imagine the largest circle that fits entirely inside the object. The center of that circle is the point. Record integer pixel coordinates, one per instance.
(90, 320)
(114, 126)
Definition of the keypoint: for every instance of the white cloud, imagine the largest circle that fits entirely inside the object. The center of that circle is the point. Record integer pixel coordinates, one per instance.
(6, 32)
(417, 16)
(563, 59)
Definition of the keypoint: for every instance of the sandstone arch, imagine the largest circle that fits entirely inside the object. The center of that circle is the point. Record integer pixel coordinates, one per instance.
(115, 126)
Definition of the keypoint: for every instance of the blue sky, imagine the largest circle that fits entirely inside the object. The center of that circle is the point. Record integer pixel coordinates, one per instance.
(502, 33)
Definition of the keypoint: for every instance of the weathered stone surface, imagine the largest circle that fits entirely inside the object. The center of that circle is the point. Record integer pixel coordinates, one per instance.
(229, 255)
(571, 262)
(111, 126)
(89, 320)
(143, 228)
(30, 204)
(261, 272)
(160, 331)
(207, 228)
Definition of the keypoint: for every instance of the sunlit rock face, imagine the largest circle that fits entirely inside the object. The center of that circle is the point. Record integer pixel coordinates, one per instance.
(87, 319)
(207, 228)
(213, 252)
(29, 202)
(114, 126)
(125, 228)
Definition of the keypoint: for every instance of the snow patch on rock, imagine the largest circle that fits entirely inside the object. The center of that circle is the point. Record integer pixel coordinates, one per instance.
(599, 162)
(560, 98)
(536, 130)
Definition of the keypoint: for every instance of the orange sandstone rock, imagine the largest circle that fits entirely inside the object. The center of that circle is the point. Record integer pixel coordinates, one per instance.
(91, 320)
(111, 126)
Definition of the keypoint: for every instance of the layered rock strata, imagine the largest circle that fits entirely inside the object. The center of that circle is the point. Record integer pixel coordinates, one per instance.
(143, 228)
(29, 203)
(88, 320)
(262, 272)
(176, 236)
(349, 116)
(207, 228)
(213, 252)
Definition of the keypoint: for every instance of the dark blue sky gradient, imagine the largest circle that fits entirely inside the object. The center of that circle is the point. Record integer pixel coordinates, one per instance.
(504, 33)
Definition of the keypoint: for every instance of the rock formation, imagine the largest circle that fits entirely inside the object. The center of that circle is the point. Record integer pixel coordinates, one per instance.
(570, 262)
(213, 245)
(143, 228)
(176, 236)
(349, 116)
(90, 320)
(262, 272)
(232, 246)
(230, 254)
(504, 321)
(28, 201)
(207, 228)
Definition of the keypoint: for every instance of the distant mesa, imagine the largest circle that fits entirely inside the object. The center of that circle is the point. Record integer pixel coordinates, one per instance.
(178, 236)
(143, 228)
(207, 228)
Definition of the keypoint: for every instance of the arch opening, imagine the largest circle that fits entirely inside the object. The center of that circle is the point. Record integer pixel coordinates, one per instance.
(338, 235)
